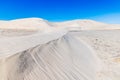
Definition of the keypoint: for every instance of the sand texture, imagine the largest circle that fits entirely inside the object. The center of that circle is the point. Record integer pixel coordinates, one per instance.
(35, 49)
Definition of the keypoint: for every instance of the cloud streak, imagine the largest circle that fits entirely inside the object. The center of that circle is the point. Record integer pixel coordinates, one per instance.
(113, 18)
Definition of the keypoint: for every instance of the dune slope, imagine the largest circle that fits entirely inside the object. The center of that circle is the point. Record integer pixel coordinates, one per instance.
(35, 49)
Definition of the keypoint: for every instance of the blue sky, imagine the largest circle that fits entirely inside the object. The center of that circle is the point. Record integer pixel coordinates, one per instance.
(61, 10)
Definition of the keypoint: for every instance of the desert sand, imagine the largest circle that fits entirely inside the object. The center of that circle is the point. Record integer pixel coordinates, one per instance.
(36, 49)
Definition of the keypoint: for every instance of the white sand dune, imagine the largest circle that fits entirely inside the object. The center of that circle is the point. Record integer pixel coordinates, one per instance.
(86, 25)
(35, 49)
(41, 25)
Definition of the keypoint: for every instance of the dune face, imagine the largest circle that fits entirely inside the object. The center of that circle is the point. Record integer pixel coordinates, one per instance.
(35, 49)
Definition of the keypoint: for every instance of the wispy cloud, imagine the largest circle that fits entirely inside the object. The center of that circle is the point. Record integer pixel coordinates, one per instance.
(113, 18)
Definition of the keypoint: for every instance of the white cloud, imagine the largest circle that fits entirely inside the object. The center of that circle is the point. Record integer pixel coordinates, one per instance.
(108, 18)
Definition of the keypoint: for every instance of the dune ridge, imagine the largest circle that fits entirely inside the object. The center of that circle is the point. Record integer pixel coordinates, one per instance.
(41, 24)
(37, 49)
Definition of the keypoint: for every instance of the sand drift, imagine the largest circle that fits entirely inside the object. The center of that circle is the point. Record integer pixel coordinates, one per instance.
(51, 51)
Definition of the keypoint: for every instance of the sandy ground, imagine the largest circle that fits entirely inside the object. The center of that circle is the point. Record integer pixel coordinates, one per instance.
(59, 51)
(15, 33)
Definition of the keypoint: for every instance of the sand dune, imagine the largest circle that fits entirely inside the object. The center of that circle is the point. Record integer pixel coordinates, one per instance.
(41, 24)
(35, 49)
